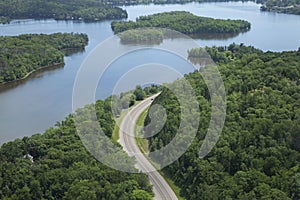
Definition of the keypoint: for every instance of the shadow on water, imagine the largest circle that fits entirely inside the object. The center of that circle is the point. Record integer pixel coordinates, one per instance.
(215, 36)
(71, 52)
(156, 36)
(37, 73)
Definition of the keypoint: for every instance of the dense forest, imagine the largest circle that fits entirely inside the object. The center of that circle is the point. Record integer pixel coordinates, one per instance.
(258, 153)
(87, 10)
(21, 55)
(184, 22)
(56, 165)
(286, 6)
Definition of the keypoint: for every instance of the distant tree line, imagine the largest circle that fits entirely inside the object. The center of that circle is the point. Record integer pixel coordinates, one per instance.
(137, 2)
(93, 10)
(184, 22)
(21, 55)
(87, 10)
(258, 153)
(286, 6)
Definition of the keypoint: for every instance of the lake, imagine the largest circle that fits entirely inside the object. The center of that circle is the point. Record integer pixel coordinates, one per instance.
(34, 105)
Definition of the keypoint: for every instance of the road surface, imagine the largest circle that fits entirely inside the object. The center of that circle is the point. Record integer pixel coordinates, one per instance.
(161, 188)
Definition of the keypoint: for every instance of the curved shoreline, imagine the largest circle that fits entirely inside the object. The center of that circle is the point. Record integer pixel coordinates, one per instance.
(38, 69)
(16, 81)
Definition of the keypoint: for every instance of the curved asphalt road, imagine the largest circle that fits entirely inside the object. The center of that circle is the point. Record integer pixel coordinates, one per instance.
(161, 188)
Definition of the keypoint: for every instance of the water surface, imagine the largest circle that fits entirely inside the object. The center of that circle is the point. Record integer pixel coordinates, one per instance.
(38, 102)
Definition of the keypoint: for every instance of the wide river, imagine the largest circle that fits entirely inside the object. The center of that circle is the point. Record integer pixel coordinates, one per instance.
(46, 97)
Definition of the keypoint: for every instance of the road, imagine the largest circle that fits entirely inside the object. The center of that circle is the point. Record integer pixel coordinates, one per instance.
(161, 188)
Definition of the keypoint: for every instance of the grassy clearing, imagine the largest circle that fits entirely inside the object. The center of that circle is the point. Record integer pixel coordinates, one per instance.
(115, 134)
(141, 142)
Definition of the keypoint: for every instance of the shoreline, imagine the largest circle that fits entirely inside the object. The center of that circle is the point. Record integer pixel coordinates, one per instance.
(3, 85)
(65, 52)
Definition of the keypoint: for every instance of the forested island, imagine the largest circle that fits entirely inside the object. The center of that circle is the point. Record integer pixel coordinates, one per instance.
(287, 6)
(258, 153)
(184, 22)
(23, 54)
(87, 10)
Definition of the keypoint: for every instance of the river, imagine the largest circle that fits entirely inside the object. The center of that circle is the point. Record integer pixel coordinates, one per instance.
(34, 105)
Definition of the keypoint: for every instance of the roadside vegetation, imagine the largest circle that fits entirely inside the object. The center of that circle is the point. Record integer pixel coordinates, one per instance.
(122, 104)
(56, 165)
(258, 153)
(141, 142)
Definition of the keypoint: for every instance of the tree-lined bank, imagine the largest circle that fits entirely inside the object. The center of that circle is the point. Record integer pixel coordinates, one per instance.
(21, 55)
